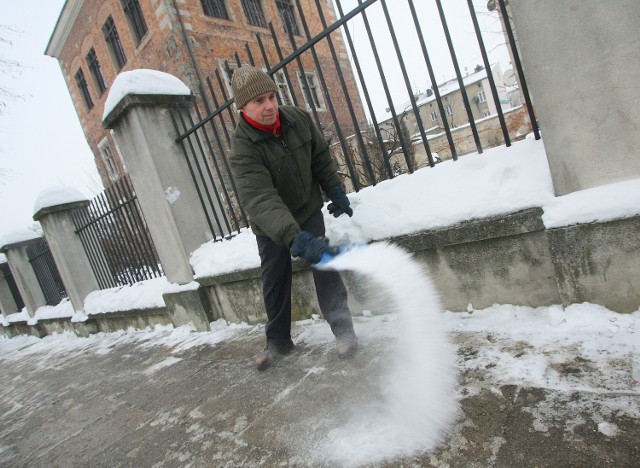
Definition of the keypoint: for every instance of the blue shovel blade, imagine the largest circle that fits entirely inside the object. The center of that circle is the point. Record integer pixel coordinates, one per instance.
(327, 256)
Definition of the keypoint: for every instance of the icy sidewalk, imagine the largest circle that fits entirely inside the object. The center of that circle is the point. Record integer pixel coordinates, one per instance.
(536, 389)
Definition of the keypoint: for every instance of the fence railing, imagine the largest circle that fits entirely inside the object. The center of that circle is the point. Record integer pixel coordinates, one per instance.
(5, 271)
(115, 237)
(46, 271)
(368, 147)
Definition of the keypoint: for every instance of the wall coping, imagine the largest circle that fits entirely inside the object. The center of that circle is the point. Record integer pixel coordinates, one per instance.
(69, 206)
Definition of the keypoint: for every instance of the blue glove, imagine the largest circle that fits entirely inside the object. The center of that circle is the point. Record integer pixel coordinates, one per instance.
(339, 202)
(310, 247)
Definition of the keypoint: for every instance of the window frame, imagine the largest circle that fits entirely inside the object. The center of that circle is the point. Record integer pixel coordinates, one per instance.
(284, 92)
(286, 9)
(135, 18)
(83, 87)
(434, 116)
(106, 153)
(112, 38)
(314, 88)
(254, 13)
(482, 96)
(96, 71)
(211, 7)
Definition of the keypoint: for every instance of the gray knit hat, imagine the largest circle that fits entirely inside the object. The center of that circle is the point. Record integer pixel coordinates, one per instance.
(249, 82)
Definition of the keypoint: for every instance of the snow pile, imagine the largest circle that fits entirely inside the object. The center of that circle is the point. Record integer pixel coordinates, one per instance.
(605, 203)
(143, 295)
(21, 316)
(21, 235)
(143, 81)
(238, 253)
(62, 310)
(58, 195)
(419, 391)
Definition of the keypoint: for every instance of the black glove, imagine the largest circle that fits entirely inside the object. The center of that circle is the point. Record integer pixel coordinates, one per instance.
(310, 247)
(339, 202)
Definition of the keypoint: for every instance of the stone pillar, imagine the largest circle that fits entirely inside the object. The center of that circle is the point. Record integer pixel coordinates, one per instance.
(23, 274)
(66, 248)
(582, 64)
(8, 304)
(144, 131)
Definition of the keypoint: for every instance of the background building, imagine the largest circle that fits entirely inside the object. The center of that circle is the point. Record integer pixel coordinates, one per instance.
(201, 42)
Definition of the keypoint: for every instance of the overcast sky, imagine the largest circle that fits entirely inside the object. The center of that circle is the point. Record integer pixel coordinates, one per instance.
(42, 143)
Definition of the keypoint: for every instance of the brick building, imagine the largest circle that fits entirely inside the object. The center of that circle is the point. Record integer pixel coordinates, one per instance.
(94, 40)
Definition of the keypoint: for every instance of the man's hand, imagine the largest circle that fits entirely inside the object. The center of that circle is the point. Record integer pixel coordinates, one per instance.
(339, 202)
(310, 247)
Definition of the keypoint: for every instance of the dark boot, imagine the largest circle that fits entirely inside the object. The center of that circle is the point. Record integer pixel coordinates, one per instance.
(272, 353)
(346, 345)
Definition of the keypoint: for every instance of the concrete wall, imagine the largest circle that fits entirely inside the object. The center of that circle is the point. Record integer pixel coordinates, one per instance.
(582, 65)
(598, 263)
(510, 259)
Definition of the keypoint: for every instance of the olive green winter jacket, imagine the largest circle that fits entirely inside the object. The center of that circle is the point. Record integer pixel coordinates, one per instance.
(279, 178)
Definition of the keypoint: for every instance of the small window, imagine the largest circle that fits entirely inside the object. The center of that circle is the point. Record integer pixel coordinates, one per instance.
(312, 95)
(254, 13)
(482, 96)
(288, 16)
(227, 68)
(96, 71)
(215, 8)
(136, 19)
(283, 88)
(448, 110)
(107, 158)
(113, 41)
(84, 89)
(434, 117)
(486, 114)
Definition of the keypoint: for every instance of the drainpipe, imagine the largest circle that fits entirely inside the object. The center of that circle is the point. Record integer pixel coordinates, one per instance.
(191, 56)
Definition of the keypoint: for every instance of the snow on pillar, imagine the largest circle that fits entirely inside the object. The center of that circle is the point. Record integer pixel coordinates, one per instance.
(53, 209)
(14, 246)
(138, 111)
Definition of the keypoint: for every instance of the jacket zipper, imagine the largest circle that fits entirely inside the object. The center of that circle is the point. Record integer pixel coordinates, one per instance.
(293, 160)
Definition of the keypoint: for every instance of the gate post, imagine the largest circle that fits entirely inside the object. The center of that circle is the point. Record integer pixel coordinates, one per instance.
(65, 245)
(15, 249)
(582, 63)
(138, 112)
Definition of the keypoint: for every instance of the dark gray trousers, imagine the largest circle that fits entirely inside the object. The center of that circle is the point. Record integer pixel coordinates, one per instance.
(276, 288)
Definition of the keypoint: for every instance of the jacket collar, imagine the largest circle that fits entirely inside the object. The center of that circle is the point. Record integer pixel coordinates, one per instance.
(287, 120)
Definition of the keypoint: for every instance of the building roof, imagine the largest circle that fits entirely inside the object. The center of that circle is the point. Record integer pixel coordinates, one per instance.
(65, 22)
(444, 89)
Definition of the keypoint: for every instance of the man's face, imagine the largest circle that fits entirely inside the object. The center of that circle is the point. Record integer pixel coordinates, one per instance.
(263, 109)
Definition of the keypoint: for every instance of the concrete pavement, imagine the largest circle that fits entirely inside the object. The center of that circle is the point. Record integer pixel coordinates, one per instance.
(125, 400)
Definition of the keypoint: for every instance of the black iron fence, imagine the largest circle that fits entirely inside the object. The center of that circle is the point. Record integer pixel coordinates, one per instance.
(325, 74)
(5, 271)
(115, 237)
(46, 271)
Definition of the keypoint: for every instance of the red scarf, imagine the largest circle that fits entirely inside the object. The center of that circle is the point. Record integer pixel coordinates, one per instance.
(272, 129)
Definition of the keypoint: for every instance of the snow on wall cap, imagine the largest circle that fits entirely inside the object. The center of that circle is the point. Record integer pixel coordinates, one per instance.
(18, 237)
(3, 258)
(143, 81)
(55, 196)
